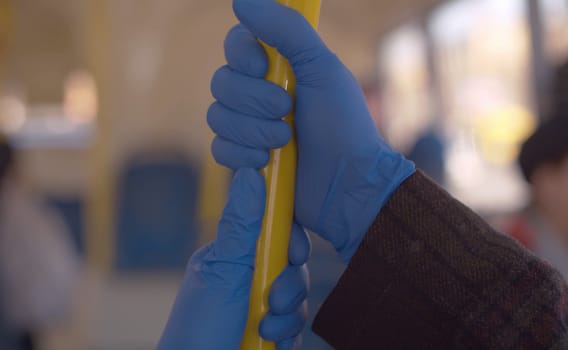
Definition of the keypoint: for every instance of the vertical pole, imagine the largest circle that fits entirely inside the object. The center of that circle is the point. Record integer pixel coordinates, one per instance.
(100, 197)
(5, 31)
(541, 76)
(280, 174)
(434, 85)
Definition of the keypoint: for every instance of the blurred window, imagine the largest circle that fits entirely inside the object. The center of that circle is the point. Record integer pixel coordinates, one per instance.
(482, 58)
(67, 124)
(405, 97)
(80, 104)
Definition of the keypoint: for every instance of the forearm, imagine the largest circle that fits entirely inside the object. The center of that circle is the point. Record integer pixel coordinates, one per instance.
(432, 273)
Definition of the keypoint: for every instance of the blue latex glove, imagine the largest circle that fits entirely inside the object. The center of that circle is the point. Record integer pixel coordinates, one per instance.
(211, 309)
(346, 172)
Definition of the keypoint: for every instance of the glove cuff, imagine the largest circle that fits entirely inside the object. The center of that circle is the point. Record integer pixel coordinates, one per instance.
(361, 190)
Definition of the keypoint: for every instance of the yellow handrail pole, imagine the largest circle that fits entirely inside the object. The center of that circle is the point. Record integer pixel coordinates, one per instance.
(6, 15)
(280, 174)
(100, 197)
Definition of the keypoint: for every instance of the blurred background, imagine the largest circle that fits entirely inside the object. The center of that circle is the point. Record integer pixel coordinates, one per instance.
(103, 103)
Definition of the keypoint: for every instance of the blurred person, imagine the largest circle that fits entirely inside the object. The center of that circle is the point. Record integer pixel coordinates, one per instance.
(428, 153)
(424, 271)
(559, 103)
(38, 265)
(543, 226)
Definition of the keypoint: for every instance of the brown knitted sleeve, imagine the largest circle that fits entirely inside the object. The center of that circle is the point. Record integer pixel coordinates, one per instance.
(431, 274)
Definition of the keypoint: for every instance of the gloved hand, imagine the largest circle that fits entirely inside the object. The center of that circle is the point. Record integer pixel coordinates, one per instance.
(346, 172)
(211, 309)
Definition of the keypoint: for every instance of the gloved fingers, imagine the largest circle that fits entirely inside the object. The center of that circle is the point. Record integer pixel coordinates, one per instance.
(241, 221)
(215, 293)
(277, 328)
(290, 344)
(289, 291)
(300, 247)
(248, 131)
(287, 30)
(235, 156)
(254, 97)
(244, 53)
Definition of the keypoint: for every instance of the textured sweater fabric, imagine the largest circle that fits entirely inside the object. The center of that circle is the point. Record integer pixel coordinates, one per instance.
(431, 274)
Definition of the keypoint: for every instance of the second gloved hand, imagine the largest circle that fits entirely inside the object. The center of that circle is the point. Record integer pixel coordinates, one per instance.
(346, 172)
(211, 309)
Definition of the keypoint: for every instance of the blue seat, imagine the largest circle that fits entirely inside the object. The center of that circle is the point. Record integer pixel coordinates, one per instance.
(156, 221)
